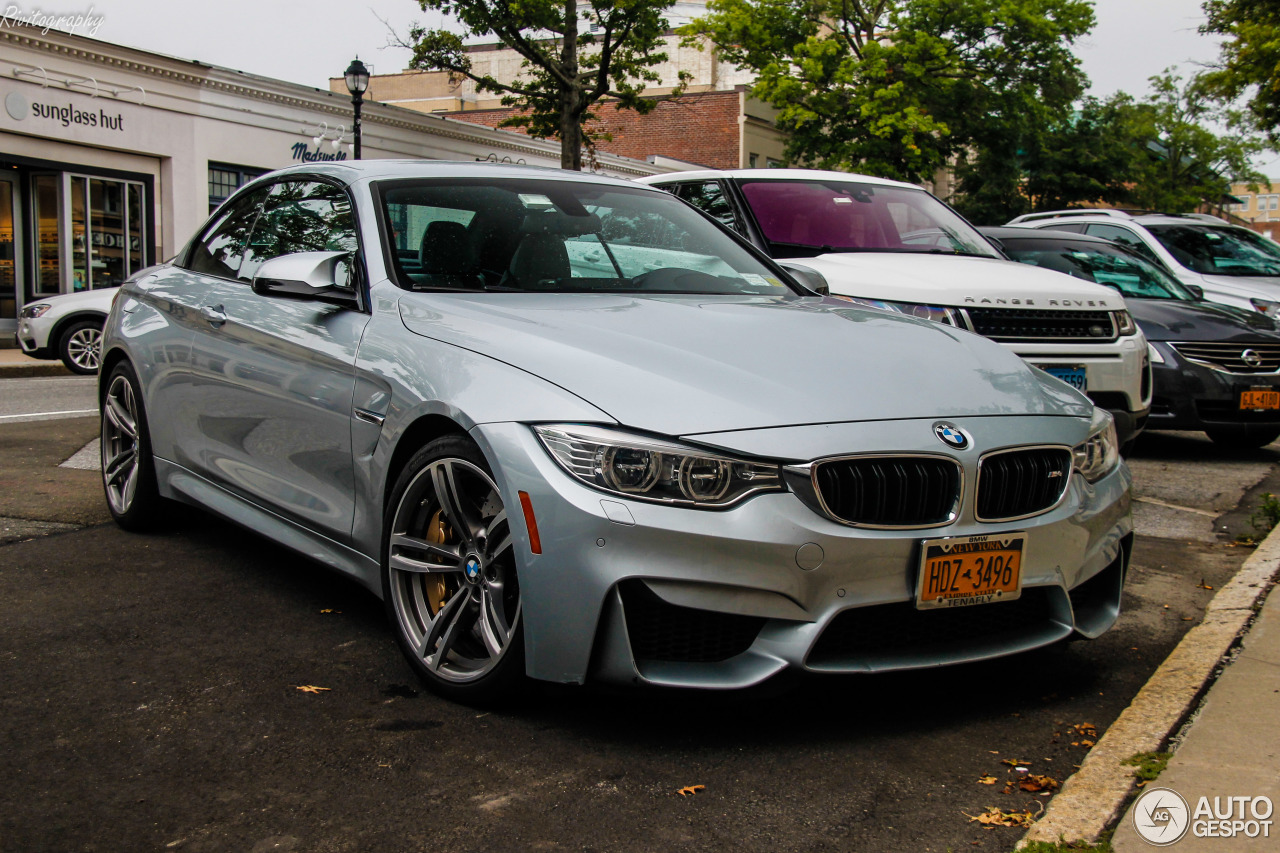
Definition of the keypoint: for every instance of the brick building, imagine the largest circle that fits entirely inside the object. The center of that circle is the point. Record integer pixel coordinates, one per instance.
(1260, 210)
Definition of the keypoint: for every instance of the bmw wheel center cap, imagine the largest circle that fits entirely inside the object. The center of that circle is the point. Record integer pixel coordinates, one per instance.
(472, 569)
(950, 435)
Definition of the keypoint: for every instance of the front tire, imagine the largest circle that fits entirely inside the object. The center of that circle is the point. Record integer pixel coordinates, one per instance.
(449, 574)
(128, 470)
(80, 347)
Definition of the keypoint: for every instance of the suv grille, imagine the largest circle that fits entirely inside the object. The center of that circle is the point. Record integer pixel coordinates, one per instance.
(889, 491)
(1018, 483)
(1030, 324)
(667, 632)
(1230, 357)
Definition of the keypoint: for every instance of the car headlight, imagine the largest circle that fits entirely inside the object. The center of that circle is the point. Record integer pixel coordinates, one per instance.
(1266, 306)
(1124, 322)
(936, 313)
(1100, 453)
(34, 310)
(648, 469)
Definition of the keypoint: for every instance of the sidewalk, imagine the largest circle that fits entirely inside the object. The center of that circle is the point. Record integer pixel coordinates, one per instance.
(15, 365)
(1232, 749)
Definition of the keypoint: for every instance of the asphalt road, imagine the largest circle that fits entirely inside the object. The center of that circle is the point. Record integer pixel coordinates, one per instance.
(151, 701)
(47, 398)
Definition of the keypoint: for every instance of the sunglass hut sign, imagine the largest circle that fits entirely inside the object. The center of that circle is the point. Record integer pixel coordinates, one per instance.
(67, 114)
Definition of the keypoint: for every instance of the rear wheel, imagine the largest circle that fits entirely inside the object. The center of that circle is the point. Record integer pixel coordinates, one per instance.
(80, 346)
(449, 574)
(1244, 437)
(128, 471)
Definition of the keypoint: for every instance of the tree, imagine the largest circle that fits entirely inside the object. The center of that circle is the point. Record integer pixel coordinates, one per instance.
(1250, 59)
(1189, 162)
(1084, 156)
(575, 54)
(896, 87)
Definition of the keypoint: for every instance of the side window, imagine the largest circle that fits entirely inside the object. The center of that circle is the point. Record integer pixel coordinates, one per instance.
(1125, 238)
(300, 216)
(709, 197)
(220, 251)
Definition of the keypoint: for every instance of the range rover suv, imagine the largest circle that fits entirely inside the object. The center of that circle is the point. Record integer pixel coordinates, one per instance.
(893, 246)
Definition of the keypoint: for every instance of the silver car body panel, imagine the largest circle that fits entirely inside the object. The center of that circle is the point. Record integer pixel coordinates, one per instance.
(271, 419)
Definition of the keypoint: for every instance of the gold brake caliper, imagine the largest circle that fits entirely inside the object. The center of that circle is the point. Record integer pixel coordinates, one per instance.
(433, 584)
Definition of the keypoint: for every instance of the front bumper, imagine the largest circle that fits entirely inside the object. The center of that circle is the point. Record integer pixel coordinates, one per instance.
(33, 338)
(633, 592)
(1190, 396)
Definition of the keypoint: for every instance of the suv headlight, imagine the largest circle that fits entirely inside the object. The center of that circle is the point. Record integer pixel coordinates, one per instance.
(1266, 306)
(936, 313)
(1100, 453)
(648, 469)
(1124, 322)
(34, 310)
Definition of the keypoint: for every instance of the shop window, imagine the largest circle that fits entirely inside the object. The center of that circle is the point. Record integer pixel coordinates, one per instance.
(753, 160)
(47, 190)
(225, 180)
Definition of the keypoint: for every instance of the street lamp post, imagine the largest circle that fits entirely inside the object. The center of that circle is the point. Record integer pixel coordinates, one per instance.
(357, 82)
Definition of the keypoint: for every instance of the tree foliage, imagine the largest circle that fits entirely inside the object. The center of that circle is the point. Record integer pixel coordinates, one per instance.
(1250, 59)
(895, 87)
(575, 54)
(1167, 152)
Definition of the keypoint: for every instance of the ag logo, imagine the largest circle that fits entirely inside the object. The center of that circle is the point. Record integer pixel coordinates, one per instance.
(1160, 816)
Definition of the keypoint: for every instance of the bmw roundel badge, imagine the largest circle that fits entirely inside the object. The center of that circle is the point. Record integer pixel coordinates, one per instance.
(950, 435)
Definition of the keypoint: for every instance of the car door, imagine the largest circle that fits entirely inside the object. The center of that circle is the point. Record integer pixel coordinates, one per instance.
(276, 373)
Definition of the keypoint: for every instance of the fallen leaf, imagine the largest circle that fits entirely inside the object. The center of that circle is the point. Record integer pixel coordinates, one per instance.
(1086, 729)
(690, 790)
(1013, 762)
(311, 688)
(994, 816)
(330, 610)
(1086, 743)
(986, 780)
(1203, 585)
(1036, 784)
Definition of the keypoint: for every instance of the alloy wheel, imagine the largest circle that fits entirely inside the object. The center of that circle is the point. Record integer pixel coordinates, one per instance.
(452, 571)
(84, 348)
(120, 462)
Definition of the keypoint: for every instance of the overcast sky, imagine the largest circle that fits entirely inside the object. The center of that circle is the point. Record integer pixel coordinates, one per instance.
(310, 42)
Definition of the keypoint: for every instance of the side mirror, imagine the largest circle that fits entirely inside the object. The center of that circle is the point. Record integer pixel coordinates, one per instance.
(1195, 290)
(322, 276)
(808, 277)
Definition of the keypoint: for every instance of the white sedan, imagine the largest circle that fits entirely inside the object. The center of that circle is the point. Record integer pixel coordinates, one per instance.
(68, 327)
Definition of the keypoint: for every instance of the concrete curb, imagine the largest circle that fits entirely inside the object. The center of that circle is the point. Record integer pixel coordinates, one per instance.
(1091, 798)
(36, 368)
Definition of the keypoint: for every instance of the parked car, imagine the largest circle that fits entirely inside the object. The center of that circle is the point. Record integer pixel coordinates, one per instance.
(894, 246)
(1216, 368)
(68, 327)
(1223, 262)
(568, 427)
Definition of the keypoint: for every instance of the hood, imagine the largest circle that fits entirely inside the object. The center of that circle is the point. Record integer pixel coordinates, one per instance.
(63, 302)
(1175, 320)
(1261, 286)
(957, 281)
(694, 364)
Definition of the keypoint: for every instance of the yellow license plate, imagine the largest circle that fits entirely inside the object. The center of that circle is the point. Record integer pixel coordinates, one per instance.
(963, 570)
(1260, 398)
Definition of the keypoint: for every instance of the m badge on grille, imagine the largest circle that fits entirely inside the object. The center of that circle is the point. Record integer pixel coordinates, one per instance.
(950, 435)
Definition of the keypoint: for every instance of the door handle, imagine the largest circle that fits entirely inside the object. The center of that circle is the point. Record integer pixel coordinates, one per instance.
(214, 314)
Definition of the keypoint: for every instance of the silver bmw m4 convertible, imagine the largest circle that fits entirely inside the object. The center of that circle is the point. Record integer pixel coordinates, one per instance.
(570, 428)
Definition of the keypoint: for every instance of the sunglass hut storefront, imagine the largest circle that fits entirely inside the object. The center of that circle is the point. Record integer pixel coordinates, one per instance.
(110, 157)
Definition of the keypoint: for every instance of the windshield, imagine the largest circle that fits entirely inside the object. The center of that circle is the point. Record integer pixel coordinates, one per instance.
(1116, 268)
(1219, 249)
(560, 236)
(803, 218)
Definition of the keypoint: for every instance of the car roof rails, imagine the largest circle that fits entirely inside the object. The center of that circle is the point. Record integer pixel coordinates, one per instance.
(1074, 212)
(1202, 217)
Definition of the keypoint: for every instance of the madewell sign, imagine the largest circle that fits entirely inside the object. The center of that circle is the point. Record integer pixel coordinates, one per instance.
(67, 114)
